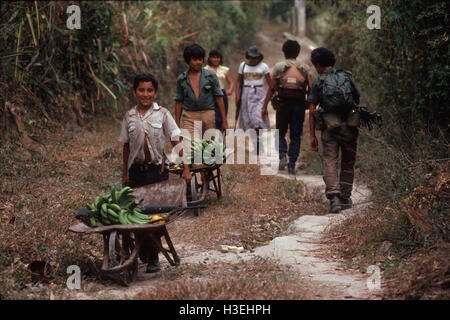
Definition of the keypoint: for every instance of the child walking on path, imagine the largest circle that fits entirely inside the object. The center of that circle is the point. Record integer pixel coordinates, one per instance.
(215, 61)
(198, 91)
(290, 84)
(253, 71)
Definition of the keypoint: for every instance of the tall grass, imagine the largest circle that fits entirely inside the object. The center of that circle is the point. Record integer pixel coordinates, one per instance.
(53, 73)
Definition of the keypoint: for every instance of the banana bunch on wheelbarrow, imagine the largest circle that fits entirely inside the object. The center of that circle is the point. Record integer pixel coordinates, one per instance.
(122, 207)
(116, 207)
(199, 146)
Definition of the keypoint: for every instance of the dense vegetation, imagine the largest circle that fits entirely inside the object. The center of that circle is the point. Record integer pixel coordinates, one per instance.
(50, 73)
(403, 70)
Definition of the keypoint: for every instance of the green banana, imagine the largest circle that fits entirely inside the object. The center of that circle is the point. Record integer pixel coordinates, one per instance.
(114, 219)
(141, 216)
(98, 202)
(122, 192)
(123, 217)
(104, 208)
(126, 205)
(92, 222)
(127, 189)
(134, 219)
(106, 221)
(95, 222)
(112, 213)
(115, 207)
(113, 194)
(104, 211)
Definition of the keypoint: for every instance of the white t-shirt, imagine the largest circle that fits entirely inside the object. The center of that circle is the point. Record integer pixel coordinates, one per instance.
(254, 75)
(221, 74)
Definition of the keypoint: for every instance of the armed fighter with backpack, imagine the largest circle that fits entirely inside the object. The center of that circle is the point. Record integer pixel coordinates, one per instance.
(338, 118)
(288, 89)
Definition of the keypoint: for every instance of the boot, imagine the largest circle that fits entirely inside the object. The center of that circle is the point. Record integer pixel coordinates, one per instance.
(335, 204)
(347, 203)
(282, 164)
(153, 266)
(291, 168)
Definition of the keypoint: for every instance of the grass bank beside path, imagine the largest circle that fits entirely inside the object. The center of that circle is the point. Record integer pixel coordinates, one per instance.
(40, 196)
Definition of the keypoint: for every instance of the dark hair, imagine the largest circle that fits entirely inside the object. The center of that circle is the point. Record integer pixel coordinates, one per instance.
(215, 53)
(193, 51)
(323, 56)
(145, 77)
(291, 48)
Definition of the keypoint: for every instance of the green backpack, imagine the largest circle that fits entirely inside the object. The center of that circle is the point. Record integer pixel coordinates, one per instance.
(337, 92)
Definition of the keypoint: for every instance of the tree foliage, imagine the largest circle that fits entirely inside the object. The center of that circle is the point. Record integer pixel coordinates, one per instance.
(405, 63)
(44, 65)
(403, 70)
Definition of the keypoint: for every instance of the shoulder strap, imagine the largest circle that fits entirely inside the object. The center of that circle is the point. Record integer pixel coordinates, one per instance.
(243, 69)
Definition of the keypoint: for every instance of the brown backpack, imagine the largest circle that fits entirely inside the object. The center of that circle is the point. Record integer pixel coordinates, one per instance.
(293, 82)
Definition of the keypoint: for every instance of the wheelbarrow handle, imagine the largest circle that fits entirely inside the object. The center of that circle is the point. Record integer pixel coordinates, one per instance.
(163, 209)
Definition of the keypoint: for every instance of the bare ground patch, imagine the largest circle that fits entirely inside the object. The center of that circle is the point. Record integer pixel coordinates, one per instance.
(41, 194)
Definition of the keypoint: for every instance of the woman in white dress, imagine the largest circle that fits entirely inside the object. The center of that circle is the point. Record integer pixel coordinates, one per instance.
(253, 72)
(215, 61)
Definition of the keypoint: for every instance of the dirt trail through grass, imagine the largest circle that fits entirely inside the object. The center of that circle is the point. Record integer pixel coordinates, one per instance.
(278, 219)
(281, 221)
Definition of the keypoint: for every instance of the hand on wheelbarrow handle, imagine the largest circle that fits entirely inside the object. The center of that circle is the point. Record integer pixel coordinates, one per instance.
(163, 209)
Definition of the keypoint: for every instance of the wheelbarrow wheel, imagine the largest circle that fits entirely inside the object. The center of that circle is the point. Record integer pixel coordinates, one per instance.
(193, 192)
(121, 246)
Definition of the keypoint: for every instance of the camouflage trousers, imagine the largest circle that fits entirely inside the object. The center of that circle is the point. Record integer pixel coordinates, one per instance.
(343, 139)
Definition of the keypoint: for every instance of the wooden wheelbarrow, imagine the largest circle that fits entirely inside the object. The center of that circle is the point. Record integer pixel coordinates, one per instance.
(205, 179)
(121, 243)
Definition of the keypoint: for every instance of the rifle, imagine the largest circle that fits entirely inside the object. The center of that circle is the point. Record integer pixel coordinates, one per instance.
(238, 104)
(368, 117)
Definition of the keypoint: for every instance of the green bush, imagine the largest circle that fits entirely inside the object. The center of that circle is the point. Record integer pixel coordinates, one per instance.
(47, 68)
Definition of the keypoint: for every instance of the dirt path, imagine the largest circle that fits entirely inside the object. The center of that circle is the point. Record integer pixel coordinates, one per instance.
(306, 248)
(303, 248)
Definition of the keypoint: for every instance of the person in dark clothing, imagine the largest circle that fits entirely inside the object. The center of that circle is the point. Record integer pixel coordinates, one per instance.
(290, 113)
(198, 92)
(338, 133)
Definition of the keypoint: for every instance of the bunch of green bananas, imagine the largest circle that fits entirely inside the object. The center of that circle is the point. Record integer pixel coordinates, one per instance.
(198, 147)
(117, 207)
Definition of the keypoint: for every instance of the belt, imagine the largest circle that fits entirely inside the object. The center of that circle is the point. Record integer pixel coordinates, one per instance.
(253, 86)
(145, 167)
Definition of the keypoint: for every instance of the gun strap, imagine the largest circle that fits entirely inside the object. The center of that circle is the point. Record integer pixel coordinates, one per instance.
(242, 81)
(240, 95)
